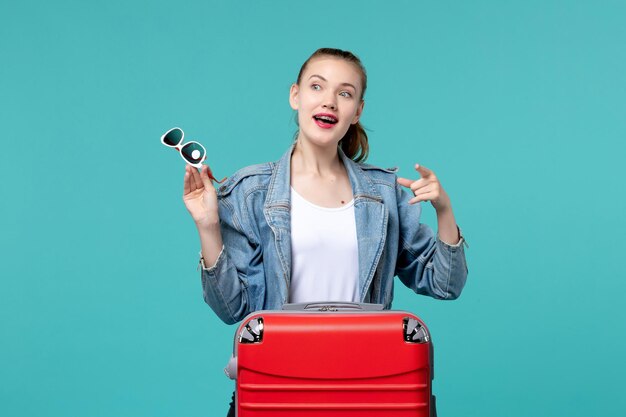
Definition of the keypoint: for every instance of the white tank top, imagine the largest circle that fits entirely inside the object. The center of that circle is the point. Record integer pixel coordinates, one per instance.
(324, 252)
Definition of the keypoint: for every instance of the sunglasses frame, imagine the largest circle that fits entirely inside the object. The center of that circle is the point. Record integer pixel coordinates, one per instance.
(179, 146)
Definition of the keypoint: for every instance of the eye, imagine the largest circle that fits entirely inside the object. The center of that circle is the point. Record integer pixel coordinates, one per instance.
(315, 85)
(348, 94)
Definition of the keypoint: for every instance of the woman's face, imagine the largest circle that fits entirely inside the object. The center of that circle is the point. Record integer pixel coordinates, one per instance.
(330, 86)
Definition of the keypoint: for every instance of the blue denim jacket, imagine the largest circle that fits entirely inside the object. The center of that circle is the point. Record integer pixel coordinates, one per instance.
(254, 268)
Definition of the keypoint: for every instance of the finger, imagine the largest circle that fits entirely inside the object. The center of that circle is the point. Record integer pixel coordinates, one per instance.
(423, 171)
(405, 182)
(196, 177)
(418, 186)
(422, 197)
(186, 183)
(414, 185)
(192, 181)
(206, 176)
(428, 192)
(427, 188)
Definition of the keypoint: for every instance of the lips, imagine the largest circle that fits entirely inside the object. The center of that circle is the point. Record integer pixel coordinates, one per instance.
(326, 117)
(325, 120)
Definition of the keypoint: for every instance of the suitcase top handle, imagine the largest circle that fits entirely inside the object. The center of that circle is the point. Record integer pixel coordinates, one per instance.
(333, 306)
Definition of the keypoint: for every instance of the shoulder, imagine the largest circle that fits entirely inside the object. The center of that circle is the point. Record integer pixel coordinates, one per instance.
(249, 178)
(378, 174)
(374, 168)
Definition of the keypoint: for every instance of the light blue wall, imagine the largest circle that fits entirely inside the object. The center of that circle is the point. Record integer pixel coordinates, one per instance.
(519, 107)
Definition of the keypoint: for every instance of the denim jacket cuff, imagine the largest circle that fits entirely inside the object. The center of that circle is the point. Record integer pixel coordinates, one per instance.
(461, 241)
(211, 269)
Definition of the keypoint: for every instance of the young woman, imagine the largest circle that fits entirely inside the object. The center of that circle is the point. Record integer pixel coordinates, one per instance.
(319, 224)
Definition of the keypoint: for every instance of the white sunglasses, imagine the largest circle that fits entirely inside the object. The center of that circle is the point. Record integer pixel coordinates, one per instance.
(192, 152)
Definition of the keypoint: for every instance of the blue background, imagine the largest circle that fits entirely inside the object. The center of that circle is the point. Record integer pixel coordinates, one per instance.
(518, 106)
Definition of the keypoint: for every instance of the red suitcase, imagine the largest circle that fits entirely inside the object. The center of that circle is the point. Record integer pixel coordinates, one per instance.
(332, 359)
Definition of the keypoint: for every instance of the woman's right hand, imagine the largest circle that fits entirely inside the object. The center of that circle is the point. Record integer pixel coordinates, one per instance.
(200, 196)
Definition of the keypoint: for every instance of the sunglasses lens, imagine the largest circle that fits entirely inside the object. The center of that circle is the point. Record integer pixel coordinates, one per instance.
(192, 152)
(173, 137)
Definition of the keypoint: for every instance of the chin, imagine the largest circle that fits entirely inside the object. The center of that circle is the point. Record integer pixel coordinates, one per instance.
(322, 141)
(322, 138)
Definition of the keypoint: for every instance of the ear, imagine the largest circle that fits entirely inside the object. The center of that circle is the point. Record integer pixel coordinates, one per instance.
(359, 110)
(293, 96)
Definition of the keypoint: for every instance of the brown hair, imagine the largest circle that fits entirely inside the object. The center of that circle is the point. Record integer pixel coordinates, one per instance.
(354, 142)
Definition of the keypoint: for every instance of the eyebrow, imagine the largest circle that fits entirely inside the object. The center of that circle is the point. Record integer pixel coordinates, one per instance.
(319, 76)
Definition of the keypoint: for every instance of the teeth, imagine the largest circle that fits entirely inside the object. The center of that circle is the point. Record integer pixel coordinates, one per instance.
(326, 118)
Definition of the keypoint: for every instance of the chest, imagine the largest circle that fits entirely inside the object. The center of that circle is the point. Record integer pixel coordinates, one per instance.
(325, 192)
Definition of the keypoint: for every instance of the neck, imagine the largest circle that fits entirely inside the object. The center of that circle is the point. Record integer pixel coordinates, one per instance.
(316, 160)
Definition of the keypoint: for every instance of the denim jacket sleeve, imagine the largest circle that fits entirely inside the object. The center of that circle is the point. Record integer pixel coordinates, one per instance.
(239, 265)
(426, 264)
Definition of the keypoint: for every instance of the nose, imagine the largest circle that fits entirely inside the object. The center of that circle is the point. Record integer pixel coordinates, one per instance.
(330, 102)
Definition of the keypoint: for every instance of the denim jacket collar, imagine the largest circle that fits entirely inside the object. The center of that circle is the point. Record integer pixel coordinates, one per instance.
(371, 217)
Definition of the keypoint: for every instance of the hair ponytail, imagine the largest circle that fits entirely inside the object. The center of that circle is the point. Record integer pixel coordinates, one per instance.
(354, 143)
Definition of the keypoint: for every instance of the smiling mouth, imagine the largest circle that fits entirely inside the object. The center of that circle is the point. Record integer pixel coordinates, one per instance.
(326, 119)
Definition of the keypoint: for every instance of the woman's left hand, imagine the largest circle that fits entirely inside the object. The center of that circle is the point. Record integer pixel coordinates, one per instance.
(427, 188)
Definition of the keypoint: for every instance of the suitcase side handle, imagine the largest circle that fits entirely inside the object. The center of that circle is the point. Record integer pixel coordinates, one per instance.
(333, 306)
